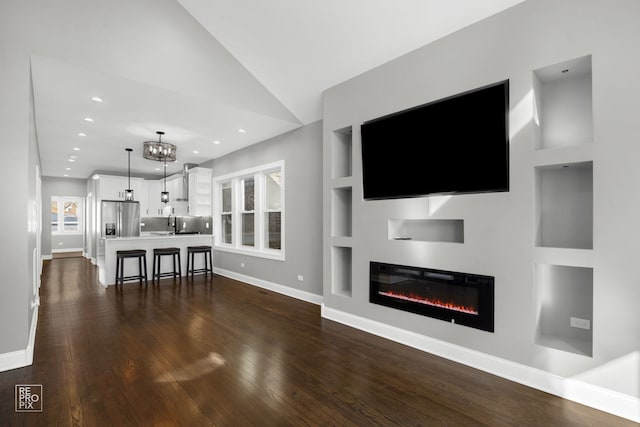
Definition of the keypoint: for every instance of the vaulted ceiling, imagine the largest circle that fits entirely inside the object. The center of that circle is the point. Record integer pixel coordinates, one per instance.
(291, 50)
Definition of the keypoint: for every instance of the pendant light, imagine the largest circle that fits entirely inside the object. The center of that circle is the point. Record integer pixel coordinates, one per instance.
(158, 150)
(164, 196)
(128, 193)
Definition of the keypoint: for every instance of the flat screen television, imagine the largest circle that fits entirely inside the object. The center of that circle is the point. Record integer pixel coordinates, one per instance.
(455, 145)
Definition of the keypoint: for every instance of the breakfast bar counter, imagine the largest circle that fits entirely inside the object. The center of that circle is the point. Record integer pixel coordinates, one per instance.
(148, 242)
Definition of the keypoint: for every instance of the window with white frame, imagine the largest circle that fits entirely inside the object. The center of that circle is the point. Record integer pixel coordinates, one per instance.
(66, 215)
(250, 211)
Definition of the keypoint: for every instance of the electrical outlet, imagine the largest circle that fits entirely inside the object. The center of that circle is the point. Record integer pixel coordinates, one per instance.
(300, 277)
(576, 322)
(206, 225)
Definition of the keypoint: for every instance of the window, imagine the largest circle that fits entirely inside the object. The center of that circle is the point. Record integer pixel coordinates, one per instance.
(226, 214)
(66, 215)
(250, 211)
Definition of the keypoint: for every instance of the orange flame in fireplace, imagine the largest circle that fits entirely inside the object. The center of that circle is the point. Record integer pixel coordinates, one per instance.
(431, 301)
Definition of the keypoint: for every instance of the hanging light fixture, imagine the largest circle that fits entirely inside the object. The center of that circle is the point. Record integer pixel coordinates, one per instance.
(158, 150)
(164, 196)
(162, 152)
(128, 193)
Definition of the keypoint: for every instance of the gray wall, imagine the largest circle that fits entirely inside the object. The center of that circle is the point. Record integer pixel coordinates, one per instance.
(52, 186)
(499, 227)
(301, 151)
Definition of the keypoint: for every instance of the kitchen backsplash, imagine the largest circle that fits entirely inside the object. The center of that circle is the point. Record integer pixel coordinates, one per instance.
(179, 224)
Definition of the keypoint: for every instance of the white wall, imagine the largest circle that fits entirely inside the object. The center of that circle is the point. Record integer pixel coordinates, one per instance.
(499, 228)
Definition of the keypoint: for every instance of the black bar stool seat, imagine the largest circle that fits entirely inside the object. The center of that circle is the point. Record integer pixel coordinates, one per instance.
(141, 255)
(206, 251)
(158, 253)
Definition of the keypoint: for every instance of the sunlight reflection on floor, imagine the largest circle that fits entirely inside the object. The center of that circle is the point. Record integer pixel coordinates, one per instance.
(196, 369)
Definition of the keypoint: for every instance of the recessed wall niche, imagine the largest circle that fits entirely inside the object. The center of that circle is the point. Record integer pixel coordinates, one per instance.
(427, 230)
(565, 308)
(341, 220)
(341, 153)
(341, 270)
(563, 104)
(564, 208)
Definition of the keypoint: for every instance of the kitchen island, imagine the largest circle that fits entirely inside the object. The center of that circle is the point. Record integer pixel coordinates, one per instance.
(148, 242)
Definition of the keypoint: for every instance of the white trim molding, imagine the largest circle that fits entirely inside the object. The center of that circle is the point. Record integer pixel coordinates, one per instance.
(21, 358)
(600, 398)
(57, 251)
(281, 289)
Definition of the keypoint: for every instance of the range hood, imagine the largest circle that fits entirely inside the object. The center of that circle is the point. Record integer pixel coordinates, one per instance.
(185, 181)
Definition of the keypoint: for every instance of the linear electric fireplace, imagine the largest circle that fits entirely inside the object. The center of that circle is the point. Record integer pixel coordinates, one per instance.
(462, 298)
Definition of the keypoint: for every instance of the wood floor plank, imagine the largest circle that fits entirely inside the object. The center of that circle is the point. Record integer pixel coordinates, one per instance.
(218, 352)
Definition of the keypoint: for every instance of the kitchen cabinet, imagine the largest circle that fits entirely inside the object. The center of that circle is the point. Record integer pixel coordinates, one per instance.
(200, 192)
(112, 187)
(154, 205)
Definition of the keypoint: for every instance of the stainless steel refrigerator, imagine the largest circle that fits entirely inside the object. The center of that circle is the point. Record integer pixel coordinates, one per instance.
(120, 219)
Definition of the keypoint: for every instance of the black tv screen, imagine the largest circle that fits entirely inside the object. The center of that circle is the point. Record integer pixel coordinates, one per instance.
(455, 145)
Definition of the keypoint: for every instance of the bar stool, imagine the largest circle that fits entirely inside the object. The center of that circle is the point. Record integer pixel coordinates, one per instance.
(158, 253)
(141, 255)
(206, 251)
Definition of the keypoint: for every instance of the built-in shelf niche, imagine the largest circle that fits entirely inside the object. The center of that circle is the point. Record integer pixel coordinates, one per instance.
(563, 109)
(341, 270)
(565, 308)
(564, 205)
(427, 230)
(341, 153)
(341, 220)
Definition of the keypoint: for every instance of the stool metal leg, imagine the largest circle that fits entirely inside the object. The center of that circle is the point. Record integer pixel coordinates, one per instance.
(117, 270)
(179, 266)
(193, 265)
(144, 257)
(173, 257)
(122, 272)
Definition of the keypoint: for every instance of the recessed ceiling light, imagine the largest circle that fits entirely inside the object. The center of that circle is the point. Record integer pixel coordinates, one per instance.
(82, 134)
(73, 157)
(72, 160)
(241, 130)
(196, 152)
(157, 169)
(216, 142)
(66, 174)
(96, 177)
(88, 119)
(96, 99)
(67, 169)
(76, 149)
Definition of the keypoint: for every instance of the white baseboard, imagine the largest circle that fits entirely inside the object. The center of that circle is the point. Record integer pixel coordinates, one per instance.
(47, 257)
(600, 398)
(285, 290)
(59, 251)
(21, 358)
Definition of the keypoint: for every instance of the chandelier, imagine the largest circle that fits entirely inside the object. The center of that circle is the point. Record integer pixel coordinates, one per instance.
(158, 150)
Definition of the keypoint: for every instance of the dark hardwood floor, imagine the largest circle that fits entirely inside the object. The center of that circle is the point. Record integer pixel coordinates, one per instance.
(220, 352)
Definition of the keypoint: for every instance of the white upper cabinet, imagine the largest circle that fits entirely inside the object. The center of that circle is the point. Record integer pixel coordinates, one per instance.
(200, 192)
(113, 187)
